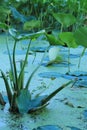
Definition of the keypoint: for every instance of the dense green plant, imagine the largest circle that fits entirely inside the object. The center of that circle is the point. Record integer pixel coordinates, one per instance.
(21, 11)
(19, 96)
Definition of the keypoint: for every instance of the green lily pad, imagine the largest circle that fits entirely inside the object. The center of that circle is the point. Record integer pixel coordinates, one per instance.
(50, 75)
(65, 19)
(68, 38)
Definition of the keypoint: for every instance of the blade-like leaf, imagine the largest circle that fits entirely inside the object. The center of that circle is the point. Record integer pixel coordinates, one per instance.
(15, 69)
(22, 76)
(84, 49)
(36, 104)
(30, 77)
(8, 89)
(23, 66)
(2, 102)
(45, 100)
(11, 63)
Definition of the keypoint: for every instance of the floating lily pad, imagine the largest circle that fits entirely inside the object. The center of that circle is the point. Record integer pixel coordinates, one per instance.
(81, 75)
(74, 128)
(48, 127)
(81, 83)
(78, 73)
(50, 75)
(55, 64)
(38, 49)
(63, 64)
(68, 76)
(73, 55)
(85, 114)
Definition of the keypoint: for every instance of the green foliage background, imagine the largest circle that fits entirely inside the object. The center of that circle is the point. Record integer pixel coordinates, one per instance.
(41, 10)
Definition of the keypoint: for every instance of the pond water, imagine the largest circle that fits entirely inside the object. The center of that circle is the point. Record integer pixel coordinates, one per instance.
(68, 109)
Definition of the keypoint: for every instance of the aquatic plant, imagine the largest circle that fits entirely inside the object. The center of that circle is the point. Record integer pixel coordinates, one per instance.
(19, 96)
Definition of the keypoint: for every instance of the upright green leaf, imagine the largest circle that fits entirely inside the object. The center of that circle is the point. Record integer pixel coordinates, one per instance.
(68, 38)
(23, 66)
(65, 19)
(22, 76)
(15, 69)
(11, 63)
(80, 36)
(53, 40)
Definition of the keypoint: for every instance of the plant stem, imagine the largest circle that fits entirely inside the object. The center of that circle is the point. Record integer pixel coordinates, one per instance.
(84, 49)
(68, 60)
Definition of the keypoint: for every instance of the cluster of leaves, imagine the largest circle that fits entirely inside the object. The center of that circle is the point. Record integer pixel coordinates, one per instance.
(19, 97)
